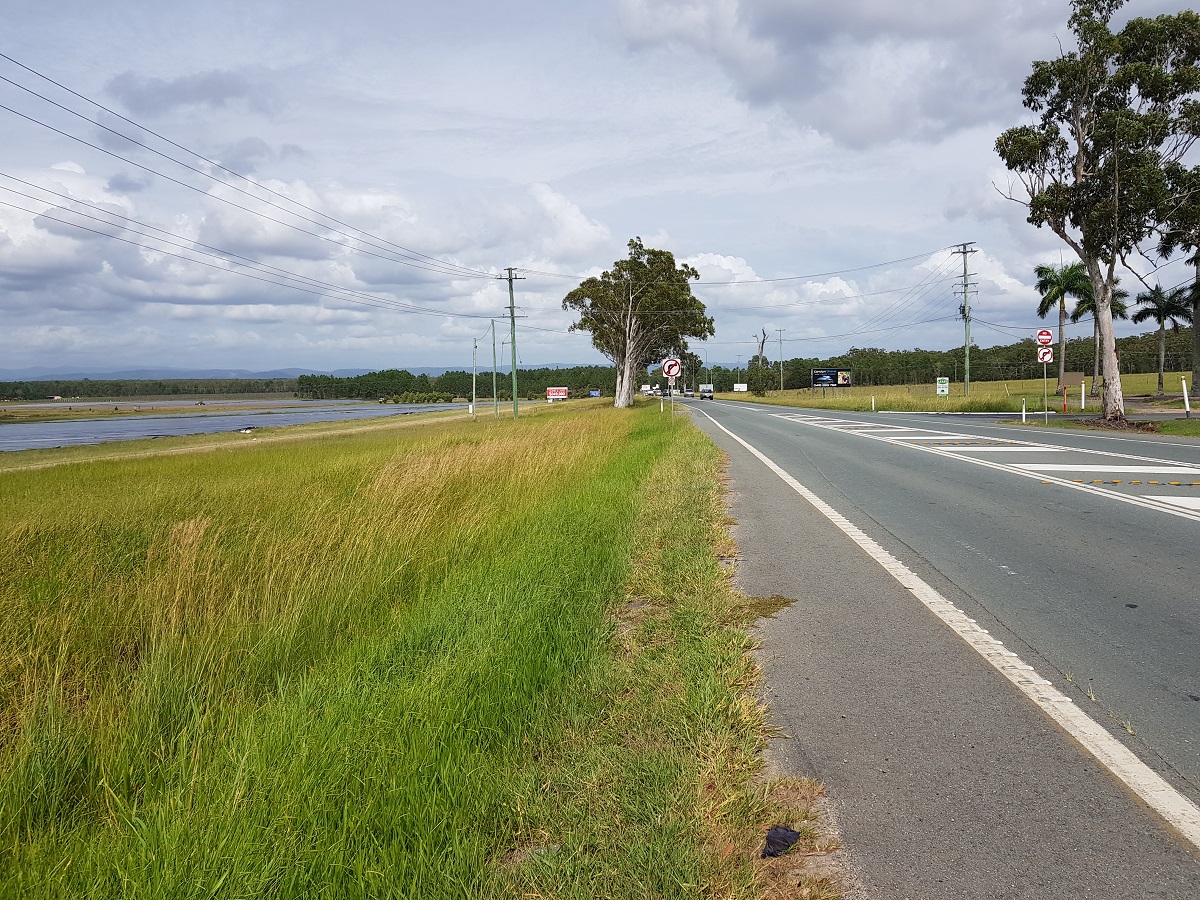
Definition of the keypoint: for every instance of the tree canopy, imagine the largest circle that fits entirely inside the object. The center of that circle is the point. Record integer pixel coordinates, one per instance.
(1116, 114)
(638, 312)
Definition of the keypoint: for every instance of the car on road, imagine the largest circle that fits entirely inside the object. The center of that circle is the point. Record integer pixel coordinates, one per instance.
(688, 392)
(706, 392)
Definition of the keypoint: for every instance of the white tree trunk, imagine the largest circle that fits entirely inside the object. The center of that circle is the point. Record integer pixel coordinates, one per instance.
(625, 383)
(1096, 360)
(1112, 401)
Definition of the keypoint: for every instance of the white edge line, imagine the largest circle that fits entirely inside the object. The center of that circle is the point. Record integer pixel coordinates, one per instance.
(1176, 809)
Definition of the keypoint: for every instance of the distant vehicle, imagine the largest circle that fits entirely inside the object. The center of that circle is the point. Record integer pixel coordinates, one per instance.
(688, 392)
(706, 392)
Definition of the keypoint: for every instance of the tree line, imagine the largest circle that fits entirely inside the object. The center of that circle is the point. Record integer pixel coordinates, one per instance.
(531, 383)
(167, 387)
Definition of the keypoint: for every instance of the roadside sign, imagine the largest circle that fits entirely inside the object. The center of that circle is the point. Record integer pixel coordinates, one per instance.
(557, 393)
(1045, 337)
(671, 367)
(1046, 354)
(671, 380)
(943, 387)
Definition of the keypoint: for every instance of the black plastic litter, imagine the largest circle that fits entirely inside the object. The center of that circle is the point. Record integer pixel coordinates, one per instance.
(780, 839)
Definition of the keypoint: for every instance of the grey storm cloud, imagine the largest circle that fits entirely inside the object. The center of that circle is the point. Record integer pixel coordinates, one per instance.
(156, 96)
(863, 73)
(125, 183)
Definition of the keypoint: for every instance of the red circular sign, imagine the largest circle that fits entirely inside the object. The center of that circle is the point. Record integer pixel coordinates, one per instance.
(1045, 337)
(671, 367)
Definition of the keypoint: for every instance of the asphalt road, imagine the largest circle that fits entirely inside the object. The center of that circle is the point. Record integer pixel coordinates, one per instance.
(1075, 551)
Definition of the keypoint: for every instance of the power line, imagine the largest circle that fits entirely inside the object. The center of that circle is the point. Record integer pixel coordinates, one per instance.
(226, 200)
(333, 291)
(413, 254)
(878, 265)
(218, 253)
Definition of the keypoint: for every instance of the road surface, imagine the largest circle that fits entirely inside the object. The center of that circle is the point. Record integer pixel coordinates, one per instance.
(993, 661)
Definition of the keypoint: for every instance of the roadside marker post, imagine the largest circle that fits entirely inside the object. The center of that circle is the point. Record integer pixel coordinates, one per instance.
(1022, 410)
(1187, 404)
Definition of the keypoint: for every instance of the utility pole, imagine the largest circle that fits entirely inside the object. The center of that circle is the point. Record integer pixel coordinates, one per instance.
(737, 373)
(780, 330)
(474, 356)
(512, 321)
(495, 396)
(965, 309)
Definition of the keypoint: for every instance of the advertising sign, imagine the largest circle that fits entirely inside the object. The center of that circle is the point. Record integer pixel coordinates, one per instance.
(831, 378)
(741, 388)
(943, 387)
(557, 393)
(594, 392)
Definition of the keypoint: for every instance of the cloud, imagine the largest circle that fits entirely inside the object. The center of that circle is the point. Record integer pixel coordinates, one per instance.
(571, 234)
(147, 96)
(863, 73)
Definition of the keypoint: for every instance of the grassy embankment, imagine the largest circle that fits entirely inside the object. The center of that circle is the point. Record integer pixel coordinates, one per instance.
(456, 660)
(986, 396)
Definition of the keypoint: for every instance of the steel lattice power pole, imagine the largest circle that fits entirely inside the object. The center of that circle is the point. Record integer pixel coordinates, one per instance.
(965, 250)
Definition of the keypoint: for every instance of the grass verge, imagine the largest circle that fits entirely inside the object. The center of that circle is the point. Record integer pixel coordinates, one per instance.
(465, 659)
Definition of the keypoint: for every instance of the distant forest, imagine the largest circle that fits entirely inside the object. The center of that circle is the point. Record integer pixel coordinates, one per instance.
(870, 366)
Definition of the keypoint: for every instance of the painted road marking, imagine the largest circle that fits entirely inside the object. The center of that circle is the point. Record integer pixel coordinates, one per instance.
(1007, 448)
(954, 450)
(1137, 470)
(1185, 502)
(1178, 811)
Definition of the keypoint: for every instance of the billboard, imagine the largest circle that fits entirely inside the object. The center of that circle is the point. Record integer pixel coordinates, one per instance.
(557, 393)
(831, 378)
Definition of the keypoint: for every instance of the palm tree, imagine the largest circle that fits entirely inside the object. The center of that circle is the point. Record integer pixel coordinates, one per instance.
(1087, 307)
(1163, 307)
(1056, 284)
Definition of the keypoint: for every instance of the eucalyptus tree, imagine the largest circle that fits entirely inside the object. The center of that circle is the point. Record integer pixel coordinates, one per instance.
(639, 311)
(1056, 284)
(1087, 307)
(1114, 114)
(1163, 307)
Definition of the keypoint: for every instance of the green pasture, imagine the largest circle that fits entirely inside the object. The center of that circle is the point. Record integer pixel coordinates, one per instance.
(985, 396)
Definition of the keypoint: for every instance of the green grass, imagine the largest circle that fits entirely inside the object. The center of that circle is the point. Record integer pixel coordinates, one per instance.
(986, 396)
(387, 662)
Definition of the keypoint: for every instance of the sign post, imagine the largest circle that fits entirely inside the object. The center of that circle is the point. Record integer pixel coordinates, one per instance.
(1045, 355)
(671, 367)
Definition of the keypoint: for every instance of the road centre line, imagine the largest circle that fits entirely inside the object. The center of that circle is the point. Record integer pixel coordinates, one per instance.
(952, 452)
(1176, 809)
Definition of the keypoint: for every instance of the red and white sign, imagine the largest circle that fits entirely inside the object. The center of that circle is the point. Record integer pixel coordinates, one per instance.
(672, 367)
(1045, 354)
(1045, 337)
(558, 393)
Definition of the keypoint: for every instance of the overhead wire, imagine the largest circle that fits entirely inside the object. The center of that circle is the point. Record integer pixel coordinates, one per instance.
(328, 290)
(217, 252)
(465, 271)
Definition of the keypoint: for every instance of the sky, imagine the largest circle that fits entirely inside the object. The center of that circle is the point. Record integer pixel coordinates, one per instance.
(330, 186)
